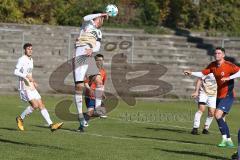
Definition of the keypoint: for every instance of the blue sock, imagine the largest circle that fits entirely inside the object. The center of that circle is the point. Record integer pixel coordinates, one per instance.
(239, 143)
(227, 130)
(239, 137)
(222, 126)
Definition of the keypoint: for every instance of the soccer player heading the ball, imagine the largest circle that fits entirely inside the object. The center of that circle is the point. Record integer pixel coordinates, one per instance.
(88, 43)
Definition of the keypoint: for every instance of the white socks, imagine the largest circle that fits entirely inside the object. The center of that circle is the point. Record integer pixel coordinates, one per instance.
(197, 119)
(26, 112)
(208, 122)
(44, 113)
(46, 116)
(98, 96)
(78, 102)
(224, 137)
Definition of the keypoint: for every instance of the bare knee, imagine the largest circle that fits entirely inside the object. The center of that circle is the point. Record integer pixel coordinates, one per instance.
(34, 104)
(201, 108)
(211, 112)
(79, 87)
(90, 112)
(41, 105)
(218, 114)
(98, 80)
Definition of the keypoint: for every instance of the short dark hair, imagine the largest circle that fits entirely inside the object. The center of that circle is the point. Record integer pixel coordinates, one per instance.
(96, 11)
(27, 45)
(99, 56)
(220, 48)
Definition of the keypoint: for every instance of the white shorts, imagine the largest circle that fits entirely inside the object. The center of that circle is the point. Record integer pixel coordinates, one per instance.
(28, 95)
(209, 100)
(83, 65)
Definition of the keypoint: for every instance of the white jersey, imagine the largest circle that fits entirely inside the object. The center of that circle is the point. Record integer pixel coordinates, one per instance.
(23, 68)
(89, 34)
(209, 85)
(89, 27)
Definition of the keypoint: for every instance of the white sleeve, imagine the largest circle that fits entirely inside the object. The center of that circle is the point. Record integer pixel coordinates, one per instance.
(91, 16)
(197, 74)
(97, 47)
(19, 69)
(236, 75)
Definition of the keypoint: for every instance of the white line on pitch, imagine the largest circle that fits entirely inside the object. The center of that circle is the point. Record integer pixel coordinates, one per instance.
(134, 139)
(137, 122)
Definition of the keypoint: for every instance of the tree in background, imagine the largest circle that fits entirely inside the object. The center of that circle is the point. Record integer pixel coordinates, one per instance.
(10, 11)
(218, 15)
(39, 11)
(223, 15)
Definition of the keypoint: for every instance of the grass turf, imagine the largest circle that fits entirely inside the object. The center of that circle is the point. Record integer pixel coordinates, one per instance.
(150, 130)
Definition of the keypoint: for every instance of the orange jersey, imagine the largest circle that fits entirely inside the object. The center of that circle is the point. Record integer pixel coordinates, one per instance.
(224, 70)
(93, 85)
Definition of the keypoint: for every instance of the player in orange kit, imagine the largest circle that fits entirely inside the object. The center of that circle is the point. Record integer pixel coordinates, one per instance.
(90, 88)
(225, 93)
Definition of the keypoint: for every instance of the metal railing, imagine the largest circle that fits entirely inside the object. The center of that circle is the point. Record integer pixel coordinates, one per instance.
(73, 35)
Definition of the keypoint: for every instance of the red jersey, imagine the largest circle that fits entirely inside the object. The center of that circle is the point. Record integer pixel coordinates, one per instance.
(224, 70)
(93, 85)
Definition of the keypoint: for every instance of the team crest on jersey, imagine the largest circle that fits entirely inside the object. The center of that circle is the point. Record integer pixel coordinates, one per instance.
(222, 73)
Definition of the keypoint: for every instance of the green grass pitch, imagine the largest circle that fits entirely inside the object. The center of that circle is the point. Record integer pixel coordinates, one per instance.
(148, 131)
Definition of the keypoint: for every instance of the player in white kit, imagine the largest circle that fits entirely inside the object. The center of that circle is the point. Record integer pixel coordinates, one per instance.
(206, 95)
(84, 65)
(27, 90)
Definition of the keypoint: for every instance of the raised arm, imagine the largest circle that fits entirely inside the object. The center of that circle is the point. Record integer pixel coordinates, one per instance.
(93, 16)
(206, 71)
(196, 74)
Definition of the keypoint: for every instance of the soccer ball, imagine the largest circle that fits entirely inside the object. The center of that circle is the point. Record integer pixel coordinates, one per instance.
(112, 10)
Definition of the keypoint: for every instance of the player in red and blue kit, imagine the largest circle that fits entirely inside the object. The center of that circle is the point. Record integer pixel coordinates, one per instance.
(91, 87)
(225, 93)
(235, 155)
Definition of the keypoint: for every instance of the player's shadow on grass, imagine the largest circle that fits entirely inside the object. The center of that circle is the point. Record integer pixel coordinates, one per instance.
(29, 144)
(65, 129)
(9, 129)
(12, 129)
(170, 140)
(200, 154)
(168, 129)
(68, 129)
(38, 126)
